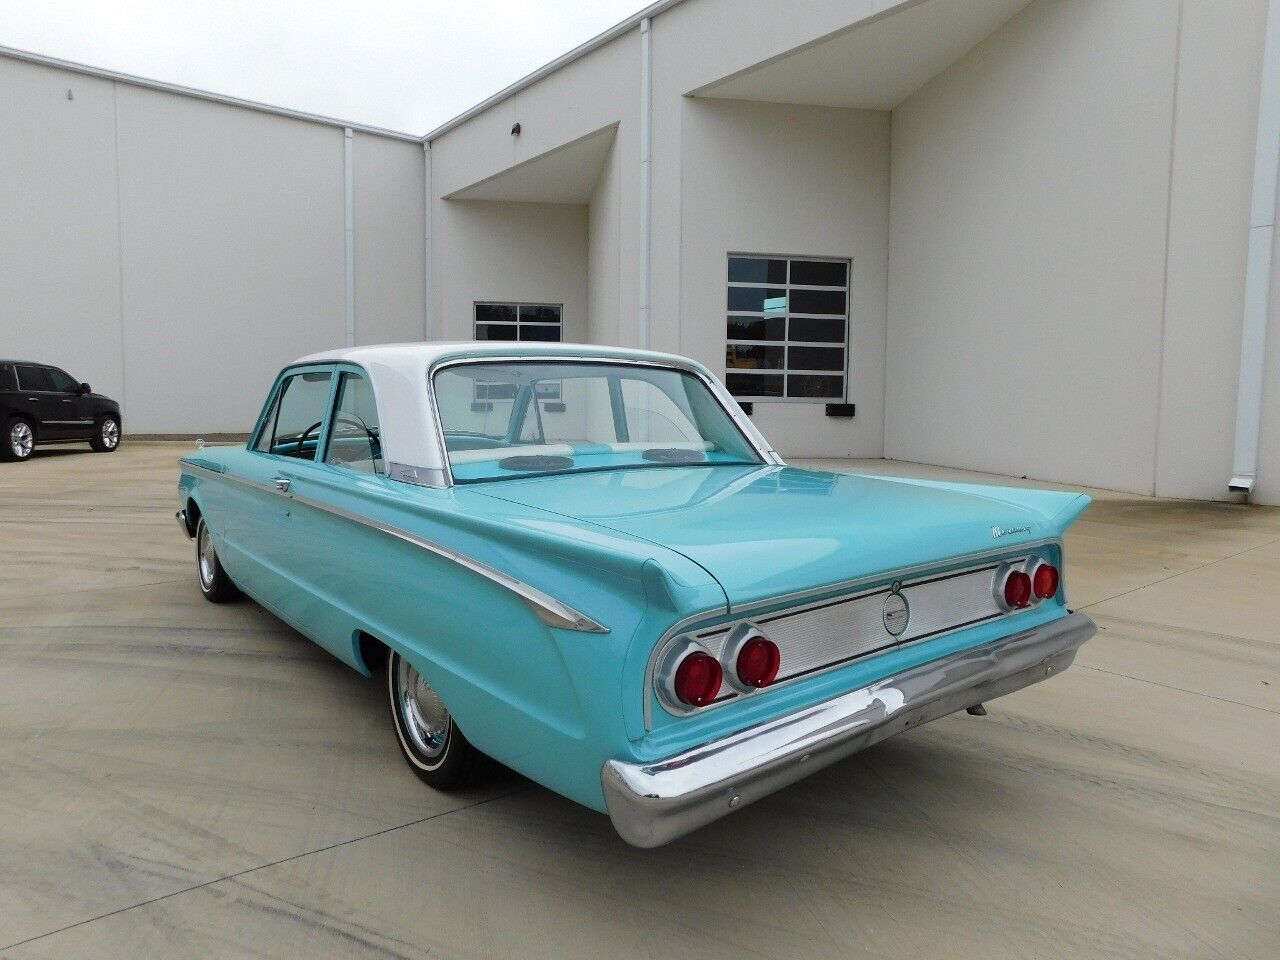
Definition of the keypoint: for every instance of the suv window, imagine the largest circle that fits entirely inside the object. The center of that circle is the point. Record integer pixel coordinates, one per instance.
(7, 380)
(353, 440)
(31, 377)
(293, 426)
(63, 382)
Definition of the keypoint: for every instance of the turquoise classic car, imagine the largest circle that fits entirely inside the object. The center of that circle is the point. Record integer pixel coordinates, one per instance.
(587, 564)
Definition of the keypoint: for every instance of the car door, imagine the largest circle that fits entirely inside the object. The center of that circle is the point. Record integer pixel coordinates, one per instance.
(73, 410)
(38, 401)
(262, 523)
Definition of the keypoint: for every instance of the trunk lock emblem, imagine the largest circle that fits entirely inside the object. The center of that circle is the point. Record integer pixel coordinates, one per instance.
(896, 613)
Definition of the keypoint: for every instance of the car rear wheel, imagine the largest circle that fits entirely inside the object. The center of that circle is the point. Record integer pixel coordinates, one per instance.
(19, 440)
(107, 436)
(431, 742)
(214, 582)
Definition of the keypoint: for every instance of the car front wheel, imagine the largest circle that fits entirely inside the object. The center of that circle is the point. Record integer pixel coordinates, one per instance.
(431, 742)
(19, 440)
(107, 437)
(214, 582)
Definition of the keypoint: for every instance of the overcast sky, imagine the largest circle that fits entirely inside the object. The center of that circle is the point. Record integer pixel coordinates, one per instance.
(393, 63)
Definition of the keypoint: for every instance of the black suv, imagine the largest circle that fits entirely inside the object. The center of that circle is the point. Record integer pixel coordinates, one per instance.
(42, 404)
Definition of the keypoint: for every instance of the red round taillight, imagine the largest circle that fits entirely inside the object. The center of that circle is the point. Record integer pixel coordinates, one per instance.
(758, 662)
(1017, 590)
(1044, 581)
(697, 679)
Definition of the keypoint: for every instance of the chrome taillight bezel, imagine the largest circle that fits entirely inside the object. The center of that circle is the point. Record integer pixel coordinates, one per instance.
(1003, 573)
(665, 676)
(1034, 564)
(739, 637)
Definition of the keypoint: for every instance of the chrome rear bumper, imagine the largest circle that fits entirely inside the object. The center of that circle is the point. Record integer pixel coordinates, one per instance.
(181, 517)
(653, 803)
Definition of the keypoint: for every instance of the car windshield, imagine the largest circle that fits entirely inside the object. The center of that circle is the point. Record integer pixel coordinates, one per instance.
(522, 418)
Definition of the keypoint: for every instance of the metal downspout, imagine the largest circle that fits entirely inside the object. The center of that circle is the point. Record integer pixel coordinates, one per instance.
(349, 204)
(428, 319)
(646, 180)
(1257, 284)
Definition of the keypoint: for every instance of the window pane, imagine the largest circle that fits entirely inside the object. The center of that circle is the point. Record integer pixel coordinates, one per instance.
(7, 379)
(819, 273)
(34, 378)
(816, 387)
(757, 328)
(756, 270)
(815, 358)
(817, 331)
(539, 314)
(753, 299)
(546, 332)
(607, 417)
(302, 405)
(754, 385)
(353, 440)
(739, 357)
(817, 301)
(495, 331)
(495, 313)
(62, 382)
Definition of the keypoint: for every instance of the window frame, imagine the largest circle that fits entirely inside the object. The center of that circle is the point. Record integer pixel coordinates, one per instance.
(43, 367)
(273, 398)
(761, 449)
(381, 468)
(517, 323)
(786, 343)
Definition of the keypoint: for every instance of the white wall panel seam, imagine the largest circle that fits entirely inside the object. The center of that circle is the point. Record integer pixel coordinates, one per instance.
(349, 231)
(1168, 234)
(120, 299)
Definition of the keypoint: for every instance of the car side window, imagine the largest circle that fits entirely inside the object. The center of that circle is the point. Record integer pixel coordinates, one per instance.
(293, 426)
(31, 377)
(354, 440)
(7, 380)
(63, 382)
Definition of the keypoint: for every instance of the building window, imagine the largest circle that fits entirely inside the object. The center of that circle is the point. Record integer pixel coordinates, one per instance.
(788, 328)
(518, 321)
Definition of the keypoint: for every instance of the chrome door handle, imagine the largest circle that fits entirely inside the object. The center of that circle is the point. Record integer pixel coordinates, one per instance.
(66, 401)
(282, 483)
(33, 399)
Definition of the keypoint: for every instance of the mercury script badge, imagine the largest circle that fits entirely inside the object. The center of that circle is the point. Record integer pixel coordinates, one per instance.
(896, 613)
(998, 532)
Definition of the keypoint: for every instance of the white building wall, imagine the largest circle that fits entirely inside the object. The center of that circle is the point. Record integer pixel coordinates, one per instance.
(518, 252)
(59, 256)
(1027, 258)
(1219, 63)
(232, 244)
(176, 252)
(390, 261)
(782, 179)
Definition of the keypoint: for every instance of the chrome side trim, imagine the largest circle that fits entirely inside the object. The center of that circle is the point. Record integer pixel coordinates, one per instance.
(546, 607)
(418, 476)
(850, 590)
(653, 803)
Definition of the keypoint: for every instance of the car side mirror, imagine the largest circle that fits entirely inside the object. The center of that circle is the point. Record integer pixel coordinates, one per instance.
(85, 389)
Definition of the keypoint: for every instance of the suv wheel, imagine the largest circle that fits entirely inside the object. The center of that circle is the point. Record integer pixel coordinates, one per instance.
(107, 436)
(19, 440)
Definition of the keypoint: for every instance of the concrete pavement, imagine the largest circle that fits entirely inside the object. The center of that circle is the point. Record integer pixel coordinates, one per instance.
(179, 779)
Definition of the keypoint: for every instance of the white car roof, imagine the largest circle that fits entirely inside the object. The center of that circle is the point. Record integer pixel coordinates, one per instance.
(409, 428)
